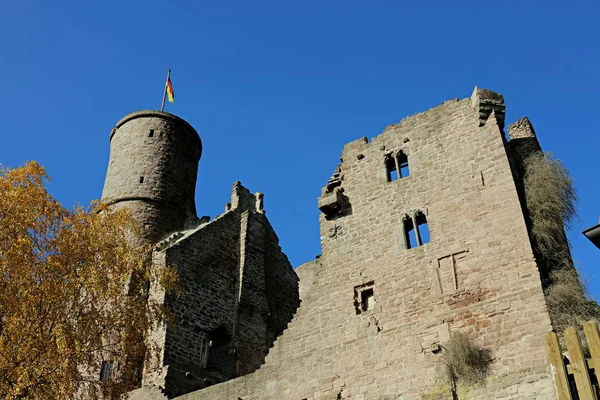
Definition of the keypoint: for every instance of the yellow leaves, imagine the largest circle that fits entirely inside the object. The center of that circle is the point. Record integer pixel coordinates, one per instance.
(169, 279)
(64, 282)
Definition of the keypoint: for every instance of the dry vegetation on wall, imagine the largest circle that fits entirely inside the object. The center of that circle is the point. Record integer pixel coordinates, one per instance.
(464, 362)
(551, 198)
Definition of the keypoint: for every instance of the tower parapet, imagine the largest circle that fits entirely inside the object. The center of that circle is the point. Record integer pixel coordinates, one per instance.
(152, 171)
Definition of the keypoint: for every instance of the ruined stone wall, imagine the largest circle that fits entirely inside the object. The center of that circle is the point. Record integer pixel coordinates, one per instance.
(152, 172)
(222, 315)
(522, 144)
(207, 268)
(268, 295)
(281, 287)
(477, 274)
(252, 306)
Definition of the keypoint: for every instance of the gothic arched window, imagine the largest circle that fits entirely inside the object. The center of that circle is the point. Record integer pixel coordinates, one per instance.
(396, 166)
(416, 230)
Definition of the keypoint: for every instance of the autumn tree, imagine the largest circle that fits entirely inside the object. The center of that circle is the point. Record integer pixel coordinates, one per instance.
(68, 303)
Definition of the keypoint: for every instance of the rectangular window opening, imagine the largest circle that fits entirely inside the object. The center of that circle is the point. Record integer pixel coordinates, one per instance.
(141, 179)
(151, 133)
(363, 297)
(107, 370)
(366, 299)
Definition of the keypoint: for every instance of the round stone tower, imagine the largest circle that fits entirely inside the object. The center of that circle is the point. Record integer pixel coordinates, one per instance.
(152, 171)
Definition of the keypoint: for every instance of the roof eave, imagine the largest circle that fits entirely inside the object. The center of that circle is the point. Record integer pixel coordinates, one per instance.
(593, 234)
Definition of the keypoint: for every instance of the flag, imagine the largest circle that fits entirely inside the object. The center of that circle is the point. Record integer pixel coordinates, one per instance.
(170, 90)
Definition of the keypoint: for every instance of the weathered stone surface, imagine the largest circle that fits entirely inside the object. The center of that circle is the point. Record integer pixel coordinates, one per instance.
(146, 393)
(477, 274)
(238, 289)
(378, 304)
(152, 171)
(238, 294)
(332, 204)
(487, 102)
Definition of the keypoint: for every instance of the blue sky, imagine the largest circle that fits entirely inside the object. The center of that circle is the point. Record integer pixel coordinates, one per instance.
(276, 88)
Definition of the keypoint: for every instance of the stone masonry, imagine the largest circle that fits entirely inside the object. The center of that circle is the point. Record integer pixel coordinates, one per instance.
(238, 294)
(422, 234)
(238, 289)
(152, 171)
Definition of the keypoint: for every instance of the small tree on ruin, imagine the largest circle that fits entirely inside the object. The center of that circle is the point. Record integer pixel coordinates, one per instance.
(68, 303)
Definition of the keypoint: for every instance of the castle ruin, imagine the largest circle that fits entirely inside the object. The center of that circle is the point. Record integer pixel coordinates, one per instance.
(423, 233)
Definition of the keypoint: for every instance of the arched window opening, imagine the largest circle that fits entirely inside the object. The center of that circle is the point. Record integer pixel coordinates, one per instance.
(219, 336)
(219, 356)
(403, 164)
(390, 167)
(396, 166)
(416, 230)
(422, 228)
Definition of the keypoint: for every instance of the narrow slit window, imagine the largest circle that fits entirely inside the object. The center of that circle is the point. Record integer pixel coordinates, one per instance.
(403, 165)
(107, 370)
(205, 344)
(364, 299)
(423, 228)
(409, 233)
(390, 167)
(151, 133)
(141, 179)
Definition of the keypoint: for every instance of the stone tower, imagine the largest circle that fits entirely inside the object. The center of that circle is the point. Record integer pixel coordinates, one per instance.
(152, 171)
(238, 289)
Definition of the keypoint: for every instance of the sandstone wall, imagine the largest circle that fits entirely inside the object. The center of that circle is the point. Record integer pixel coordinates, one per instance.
(228, 313)
(476, 275)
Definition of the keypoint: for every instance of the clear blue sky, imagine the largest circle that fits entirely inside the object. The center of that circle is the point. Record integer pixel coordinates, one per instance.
(275, 88)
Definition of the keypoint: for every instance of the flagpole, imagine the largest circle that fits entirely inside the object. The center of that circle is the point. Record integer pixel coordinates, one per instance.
(162, 107)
